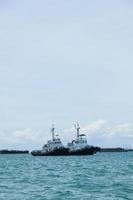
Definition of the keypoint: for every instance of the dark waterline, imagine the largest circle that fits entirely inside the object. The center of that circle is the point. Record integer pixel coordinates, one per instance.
(104, 176)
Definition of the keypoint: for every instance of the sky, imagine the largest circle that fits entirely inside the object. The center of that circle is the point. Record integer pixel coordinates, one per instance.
(63, 62)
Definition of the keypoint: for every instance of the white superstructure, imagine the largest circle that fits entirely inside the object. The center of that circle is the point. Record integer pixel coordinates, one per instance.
(53, 144)
(80, 142)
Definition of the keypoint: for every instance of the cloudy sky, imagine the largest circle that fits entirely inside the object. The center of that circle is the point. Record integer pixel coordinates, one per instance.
(63, 62)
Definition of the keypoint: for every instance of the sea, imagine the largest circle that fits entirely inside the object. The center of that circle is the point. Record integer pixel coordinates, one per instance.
(103, 176)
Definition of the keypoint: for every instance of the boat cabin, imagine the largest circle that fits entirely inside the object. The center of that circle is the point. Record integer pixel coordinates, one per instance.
(80, 142)
(53, 144)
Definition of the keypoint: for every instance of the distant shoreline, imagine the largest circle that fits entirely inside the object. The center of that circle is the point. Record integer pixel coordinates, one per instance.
(117, 149)
(5, 151)
(102, 150)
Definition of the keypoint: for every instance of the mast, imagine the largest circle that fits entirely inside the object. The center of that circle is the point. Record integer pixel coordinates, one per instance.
(52, 131)
(77, 127)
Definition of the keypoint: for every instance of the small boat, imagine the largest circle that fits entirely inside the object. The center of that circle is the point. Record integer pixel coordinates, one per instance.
(79, 146)
(54, 147)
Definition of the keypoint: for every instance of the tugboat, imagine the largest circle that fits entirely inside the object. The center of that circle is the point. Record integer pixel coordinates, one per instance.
(79, 146)
(53, 147)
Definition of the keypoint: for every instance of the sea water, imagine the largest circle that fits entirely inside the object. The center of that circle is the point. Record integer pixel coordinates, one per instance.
(106, 176)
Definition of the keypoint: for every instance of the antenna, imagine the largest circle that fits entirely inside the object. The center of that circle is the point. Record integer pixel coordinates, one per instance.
(77, 127)
(52, 131)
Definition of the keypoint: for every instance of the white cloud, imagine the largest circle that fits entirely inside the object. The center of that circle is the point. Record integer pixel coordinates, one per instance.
(26, 134)
(94, 127)
(125, 129)
(99, 133)
(103, 128)
(21, 138)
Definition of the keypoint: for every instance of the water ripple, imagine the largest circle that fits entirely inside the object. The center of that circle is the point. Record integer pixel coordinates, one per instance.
(105, 176)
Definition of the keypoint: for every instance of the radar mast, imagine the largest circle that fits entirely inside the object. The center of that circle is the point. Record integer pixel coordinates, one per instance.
(77, 127)
(52, 131)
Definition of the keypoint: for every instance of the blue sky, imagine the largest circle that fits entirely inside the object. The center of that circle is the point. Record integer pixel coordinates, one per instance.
(63, 62)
